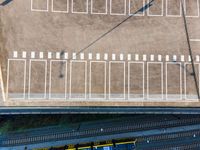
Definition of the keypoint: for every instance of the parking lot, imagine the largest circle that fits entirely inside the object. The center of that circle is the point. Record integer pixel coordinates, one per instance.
(70, 52)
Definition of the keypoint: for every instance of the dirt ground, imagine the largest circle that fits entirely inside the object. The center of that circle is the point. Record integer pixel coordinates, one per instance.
(76, 24)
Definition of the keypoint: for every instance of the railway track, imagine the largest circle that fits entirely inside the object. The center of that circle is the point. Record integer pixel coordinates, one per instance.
(64, 135)
(173, 137)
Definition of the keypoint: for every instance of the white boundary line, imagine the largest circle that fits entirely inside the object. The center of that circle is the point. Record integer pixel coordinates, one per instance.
(129, 63)
(90, 83)
(119, 62)
(2, 85)
(161, 67)
(195, 40)
(30, 63)
(59, 11)
(79, 12)
(70, 82)
(118, 14)
(172, 15)
(50, 76)
(197, 9)
(8, 76)
(101, 12)
(162, 12)
(185, 82)
(40, 10)
(129, 9)
(180, 75)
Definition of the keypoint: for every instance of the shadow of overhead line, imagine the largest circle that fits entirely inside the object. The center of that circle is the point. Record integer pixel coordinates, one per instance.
(6, 2)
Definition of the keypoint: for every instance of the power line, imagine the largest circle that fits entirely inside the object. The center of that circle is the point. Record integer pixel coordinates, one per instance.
(113, 28)
(190, 50)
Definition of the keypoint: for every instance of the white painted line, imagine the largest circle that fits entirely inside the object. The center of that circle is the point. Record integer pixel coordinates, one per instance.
(174, 58)
(152, 57)
(70, 86)
(99, 13)
(136, 57)
(50, 80)
(156, 5)
(40, 10)
(189, 58)
(57, 55)
(15, 54)
(23, 54)
(66, 56)
(144, 57)
(2, 85)
(129, 57)
(90, 81)
(98, 56)
(45, 78)
(131, 12)
(148, 78)
(121, 56)
(182, 58)
(129, 83)
(105, 56)
(60, 11)
(82, 56)
(159, 57)
(169, 85)
(80, 12)
(197, 8)
(197, 58)
(171, 15)
(73, 55)
(90, 56)
(167, 58)
(110, 64)
(32, 54)
(195, 40)
(188, 82)
(119, 14)
(8, 78)
(113, 56)
(49, 55)
(41, 55)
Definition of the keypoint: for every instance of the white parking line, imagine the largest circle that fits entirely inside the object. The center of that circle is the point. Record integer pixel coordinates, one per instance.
(40, 10)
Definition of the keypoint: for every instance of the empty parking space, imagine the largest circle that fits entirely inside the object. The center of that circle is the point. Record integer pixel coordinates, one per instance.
(80, 6)
(99, 6)
(118, 7)
(136, 80)
(61, 6)
(155, 80)
(190, 86)
(135, 5)
(39, 5)
(173, 8)
(78, 79)
(156, 9)
(192, 8)
(58, 79)
(116, 80)
(97, 79)
(16, 79)
(173, 81)
(37, 79)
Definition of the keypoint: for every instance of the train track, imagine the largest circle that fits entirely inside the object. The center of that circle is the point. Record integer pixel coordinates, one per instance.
(58, 136)
(172, 137)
